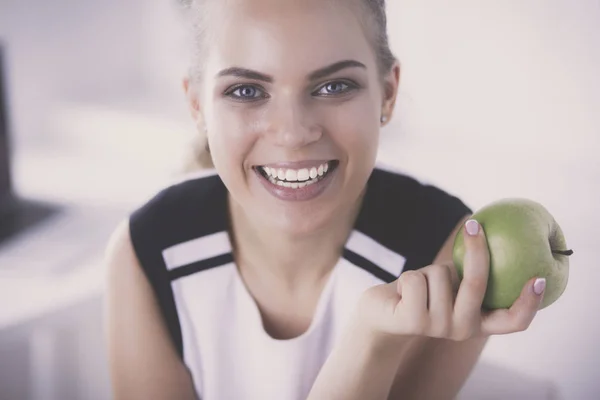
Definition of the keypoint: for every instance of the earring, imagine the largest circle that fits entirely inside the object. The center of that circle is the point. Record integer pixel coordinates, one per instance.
(383, 119)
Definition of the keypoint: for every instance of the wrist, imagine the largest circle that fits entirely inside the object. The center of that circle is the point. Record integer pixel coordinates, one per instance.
(362, 365)
(377, 345)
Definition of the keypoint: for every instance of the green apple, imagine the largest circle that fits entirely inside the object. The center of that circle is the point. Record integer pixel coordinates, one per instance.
(524, 241)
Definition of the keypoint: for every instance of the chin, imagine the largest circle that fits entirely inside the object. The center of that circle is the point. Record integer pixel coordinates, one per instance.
(302, 222)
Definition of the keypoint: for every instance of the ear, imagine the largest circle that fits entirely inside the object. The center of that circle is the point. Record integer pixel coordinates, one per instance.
(191, 95)
(391, 85)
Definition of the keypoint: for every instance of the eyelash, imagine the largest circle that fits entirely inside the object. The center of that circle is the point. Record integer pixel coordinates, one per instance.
(350, 86)
(230, 92)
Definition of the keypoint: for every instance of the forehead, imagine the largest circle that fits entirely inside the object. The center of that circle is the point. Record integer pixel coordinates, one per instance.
(295, 36)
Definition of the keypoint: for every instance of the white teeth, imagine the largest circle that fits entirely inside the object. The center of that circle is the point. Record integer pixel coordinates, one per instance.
(293, 185)
(291, 175)
(295, 179)
(303, 175)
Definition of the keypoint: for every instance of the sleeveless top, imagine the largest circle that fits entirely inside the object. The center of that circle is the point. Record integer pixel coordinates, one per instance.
(181, 240)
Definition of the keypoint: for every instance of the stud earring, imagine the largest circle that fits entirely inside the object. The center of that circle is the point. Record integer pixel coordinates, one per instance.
(383, 119)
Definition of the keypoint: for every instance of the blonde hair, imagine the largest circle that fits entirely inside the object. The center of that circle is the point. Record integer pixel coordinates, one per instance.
(199, 156)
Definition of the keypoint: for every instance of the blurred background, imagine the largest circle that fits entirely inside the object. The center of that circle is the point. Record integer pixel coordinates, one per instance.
(498, 99)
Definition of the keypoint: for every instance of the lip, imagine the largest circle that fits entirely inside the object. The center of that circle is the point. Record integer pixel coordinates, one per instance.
(300, 194)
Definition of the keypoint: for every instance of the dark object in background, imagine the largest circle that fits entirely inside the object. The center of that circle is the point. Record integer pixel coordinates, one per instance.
(5, 178)
(16, 214)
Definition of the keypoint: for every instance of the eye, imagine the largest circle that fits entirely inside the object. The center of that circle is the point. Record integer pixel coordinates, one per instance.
(335, 88)
(245, 93)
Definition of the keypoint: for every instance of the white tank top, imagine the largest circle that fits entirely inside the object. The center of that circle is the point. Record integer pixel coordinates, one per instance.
(181, 240)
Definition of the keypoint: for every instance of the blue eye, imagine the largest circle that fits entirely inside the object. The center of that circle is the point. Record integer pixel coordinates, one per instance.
(334, 88)
(245, 92)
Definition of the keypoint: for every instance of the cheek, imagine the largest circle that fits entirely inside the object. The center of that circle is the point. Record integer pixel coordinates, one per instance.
(232, 135)
(354, 134)
(355, 128)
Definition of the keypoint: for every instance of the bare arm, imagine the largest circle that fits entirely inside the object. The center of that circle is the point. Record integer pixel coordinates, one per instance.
(437, 368)
(142, 360)
(412, 367)
(358, 368)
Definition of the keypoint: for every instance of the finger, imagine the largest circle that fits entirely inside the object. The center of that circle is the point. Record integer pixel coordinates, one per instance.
(387, 293)
(441, 299)
(476, 267)
(454, 279)
(412, 287)
(519, 316)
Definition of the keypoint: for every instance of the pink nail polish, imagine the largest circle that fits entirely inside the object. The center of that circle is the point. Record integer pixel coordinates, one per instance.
(472, 227)
(539, 285)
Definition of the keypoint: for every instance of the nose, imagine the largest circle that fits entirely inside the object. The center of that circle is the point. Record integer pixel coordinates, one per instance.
(292, 125)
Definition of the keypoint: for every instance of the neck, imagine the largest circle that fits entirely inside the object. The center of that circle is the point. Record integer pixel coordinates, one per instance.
(291, 260)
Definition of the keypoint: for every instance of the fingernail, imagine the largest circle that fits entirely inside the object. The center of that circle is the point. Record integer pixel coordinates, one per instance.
(539, 285)
(472, 227)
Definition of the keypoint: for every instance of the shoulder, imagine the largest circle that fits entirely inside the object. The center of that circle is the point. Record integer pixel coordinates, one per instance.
(123, 269)
(192, 207)
(143, 359)
(119, 251)
(409, 215)
(393, 188)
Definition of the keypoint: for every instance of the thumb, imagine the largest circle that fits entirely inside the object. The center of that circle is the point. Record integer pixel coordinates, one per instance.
(520, 315)
(531, 296)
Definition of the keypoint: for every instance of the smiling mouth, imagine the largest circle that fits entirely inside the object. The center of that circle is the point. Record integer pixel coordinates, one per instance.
(297, 178)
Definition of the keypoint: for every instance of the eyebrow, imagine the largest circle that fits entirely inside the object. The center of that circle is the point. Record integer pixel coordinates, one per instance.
(335, 67)
(313, 76)
(245, 73)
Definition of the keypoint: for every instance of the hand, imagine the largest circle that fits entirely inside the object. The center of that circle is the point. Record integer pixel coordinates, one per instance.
(430, 301)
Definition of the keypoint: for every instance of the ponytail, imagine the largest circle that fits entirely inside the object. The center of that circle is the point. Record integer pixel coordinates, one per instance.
(198, 155)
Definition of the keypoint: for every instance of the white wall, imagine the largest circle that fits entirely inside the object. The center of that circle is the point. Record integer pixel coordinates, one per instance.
(502, 99)
(68, 50)
(503, 74)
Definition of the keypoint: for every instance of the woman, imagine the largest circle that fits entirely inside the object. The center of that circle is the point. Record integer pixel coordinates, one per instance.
(297, 268)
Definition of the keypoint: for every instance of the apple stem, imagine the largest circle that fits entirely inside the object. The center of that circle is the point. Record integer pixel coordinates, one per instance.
(563, 252)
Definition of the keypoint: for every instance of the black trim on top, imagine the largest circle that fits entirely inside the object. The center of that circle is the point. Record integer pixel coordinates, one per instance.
(199, 266)
(408, 216)
(368, 266)
(157, 275)
(187, 210)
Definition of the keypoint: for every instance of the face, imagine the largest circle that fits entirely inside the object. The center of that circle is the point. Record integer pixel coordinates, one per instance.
(291, 99)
